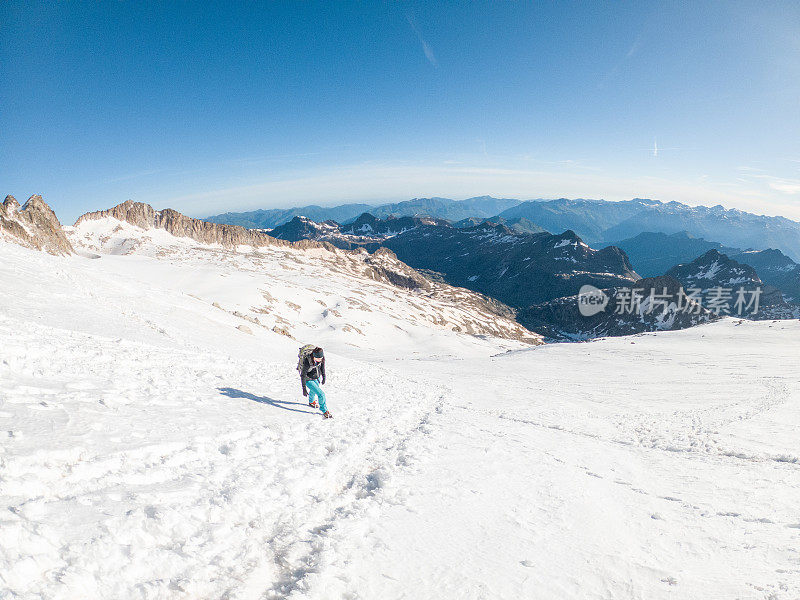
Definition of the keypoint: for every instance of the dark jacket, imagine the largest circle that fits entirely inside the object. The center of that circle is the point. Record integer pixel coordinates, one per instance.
(311, 370)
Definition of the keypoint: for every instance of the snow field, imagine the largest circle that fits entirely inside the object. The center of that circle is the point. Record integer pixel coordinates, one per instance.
(151, 449)
(190, 475)
(675, 478)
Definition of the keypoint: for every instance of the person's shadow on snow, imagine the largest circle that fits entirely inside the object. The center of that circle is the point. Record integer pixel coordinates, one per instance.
(234, 393)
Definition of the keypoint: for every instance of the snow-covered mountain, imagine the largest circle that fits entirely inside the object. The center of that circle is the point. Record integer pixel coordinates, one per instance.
(516, 268)
(541, 275)
(729, 287)
(352, 286)
(519, 269)
(156, 445)
(598, 222)
(650, 304)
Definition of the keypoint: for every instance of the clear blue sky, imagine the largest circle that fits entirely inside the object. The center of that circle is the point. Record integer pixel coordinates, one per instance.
(208, 107)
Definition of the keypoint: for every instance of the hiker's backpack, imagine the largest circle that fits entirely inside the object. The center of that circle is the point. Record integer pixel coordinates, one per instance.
(301, 355)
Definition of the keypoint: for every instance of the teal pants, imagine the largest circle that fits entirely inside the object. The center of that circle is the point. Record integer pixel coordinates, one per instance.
(315, 390)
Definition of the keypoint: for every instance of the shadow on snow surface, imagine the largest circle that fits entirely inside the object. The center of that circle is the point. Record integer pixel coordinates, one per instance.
(234, 393)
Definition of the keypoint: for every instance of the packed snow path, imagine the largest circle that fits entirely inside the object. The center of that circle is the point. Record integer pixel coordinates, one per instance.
(131, 470)
(152, 450)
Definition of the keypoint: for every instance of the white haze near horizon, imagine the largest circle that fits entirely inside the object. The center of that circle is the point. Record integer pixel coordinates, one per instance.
(196, 195)
(383, 184)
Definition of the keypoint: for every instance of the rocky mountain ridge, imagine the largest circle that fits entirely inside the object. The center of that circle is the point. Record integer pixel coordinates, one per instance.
(651, 304)
(516, 268)
(774, 268)
(598, 222)
(146, 217)
(730, 288)
(33, 225)
(469, 312)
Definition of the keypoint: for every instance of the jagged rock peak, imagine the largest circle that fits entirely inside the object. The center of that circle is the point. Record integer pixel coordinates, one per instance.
(570, 235)
(491, 227)
(36, 205)
(35, 225)
(11, 204)
(136, 213)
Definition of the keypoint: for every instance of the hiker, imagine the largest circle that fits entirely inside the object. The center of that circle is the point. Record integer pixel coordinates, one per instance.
(311, 365)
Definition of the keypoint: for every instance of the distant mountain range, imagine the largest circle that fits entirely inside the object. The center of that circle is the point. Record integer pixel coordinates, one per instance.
(443, 208)
(600, 222)
(539, 278)
(269, 219)
(597, 222)
(517, 268)
(541, 274)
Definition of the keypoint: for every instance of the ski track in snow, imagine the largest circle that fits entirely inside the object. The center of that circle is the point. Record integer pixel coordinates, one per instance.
(152, 450)
(208, 501)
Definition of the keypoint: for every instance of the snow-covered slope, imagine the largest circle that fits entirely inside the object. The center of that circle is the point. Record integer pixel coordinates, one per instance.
(349, 299)
(155, 448)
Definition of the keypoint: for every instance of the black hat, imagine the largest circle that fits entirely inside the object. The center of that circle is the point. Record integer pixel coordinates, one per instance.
(318, 353)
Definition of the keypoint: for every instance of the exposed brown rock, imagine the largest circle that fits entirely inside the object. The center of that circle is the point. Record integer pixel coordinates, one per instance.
(34, 225)
(385, 266)
(144, 216)
(490, 317)
(10, 205)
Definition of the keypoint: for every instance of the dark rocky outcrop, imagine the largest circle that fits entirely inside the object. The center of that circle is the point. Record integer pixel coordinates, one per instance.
(371, 226)
(33, 225)
(652, 304)
(303, 228)
(727, 286)
(774, 268)
(515, 268)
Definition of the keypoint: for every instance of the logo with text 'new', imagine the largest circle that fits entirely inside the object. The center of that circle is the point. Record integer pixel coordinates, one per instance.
(591, 300)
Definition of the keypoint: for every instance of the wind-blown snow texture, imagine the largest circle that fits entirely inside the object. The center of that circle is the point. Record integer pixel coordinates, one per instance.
(153, 449)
